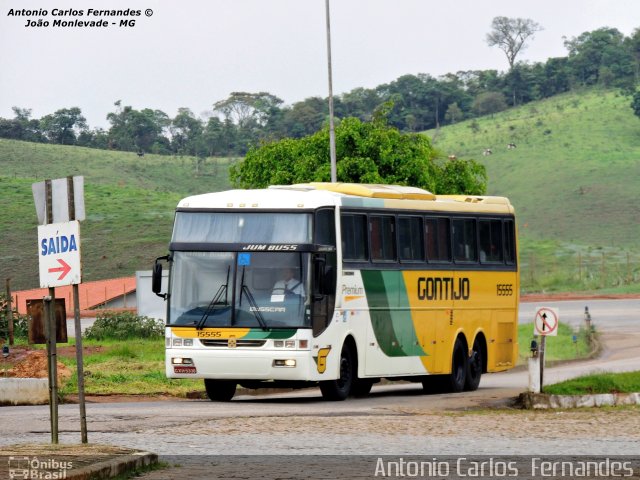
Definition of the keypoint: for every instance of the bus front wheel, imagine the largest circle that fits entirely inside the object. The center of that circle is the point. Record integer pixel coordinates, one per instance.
(220, 390)
(340, 388)
(456, 380)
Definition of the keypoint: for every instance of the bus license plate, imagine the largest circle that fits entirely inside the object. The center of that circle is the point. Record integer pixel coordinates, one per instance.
(183, 369)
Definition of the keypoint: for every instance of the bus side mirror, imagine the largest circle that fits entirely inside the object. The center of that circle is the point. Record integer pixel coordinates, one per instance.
(156, 277)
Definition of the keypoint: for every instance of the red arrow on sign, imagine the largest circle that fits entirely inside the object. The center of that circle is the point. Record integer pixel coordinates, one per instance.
(64, 268)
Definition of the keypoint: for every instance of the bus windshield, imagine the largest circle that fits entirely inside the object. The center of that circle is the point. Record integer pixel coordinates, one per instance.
(229, 289)
(242, 227)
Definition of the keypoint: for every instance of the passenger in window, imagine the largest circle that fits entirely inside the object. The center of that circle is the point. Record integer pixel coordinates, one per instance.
(289, 285)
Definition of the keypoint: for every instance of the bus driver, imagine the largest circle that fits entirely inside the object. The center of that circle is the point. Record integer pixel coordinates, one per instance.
(289, 285)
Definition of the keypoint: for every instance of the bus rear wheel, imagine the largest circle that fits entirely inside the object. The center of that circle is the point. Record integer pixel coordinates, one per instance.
(340, 388)
(474, 367)
(220, 390)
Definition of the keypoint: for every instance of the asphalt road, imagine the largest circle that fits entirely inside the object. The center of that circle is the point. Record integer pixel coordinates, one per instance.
(396, 419)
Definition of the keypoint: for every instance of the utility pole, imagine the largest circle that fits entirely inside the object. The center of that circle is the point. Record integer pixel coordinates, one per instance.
(332, 133)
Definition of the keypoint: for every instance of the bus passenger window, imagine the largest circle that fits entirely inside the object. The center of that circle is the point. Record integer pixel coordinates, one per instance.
(464, 240)
(509, 242)
(437, 238)
(383, 238)
(354, 237)
(490, 241)
(410, 240)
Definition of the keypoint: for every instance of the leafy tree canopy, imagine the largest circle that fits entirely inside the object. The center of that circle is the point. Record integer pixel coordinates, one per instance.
(367, 152)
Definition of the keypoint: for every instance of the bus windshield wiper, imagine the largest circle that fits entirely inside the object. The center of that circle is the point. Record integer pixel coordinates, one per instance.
(252, 302)
(215, 301)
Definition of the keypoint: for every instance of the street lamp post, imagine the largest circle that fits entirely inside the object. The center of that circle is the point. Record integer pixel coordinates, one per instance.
(332, 133)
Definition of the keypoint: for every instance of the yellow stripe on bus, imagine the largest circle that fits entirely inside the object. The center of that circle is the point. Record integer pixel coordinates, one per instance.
(224, 333)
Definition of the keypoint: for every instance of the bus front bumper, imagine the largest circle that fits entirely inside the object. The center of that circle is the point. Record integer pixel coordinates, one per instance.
(242, 365)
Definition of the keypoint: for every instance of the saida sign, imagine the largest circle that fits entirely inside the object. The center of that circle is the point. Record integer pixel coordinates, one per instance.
(59, 254)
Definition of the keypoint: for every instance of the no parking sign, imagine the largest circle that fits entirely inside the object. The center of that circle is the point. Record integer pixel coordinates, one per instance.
(546, 321)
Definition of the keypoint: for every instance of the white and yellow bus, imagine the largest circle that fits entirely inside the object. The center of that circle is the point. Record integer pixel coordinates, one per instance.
(340, 285)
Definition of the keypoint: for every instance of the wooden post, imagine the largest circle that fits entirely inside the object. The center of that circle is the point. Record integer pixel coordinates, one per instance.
(50, 312)
(9, 312)
(53, 335)
(78, 330)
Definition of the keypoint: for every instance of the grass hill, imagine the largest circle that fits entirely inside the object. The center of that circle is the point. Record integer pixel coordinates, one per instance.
(574, 178)
(129, 202)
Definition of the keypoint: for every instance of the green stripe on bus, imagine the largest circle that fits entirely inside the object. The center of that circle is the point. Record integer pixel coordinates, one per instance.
(390, 313)
(259, 334)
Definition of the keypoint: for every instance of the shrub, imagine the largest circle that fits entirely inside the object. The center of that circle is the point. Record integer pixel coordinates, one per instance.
(20, 322)
(123, 326)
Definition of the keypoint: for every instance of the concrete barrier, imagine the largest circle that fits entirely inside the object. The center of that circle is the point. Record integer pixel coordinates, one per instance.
(542, 401)
(24, 391)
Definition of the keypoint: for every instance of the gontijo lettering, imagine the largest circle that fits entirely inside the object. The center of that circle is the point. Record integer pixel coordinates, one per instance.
(58, 244)
(443, 288)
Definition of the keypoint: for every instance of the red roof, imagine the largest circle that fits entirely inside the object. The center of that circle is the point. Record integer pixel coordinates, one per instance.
(91, 294)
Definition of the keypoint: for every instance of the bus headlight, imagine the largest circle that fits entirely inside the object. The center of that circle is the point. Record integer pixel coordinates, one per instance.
(181, 361)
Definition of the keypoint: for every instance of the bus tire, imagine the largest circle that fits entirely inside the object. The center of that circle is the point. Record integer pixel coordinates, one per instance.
(220, 390)
(435, 384)
(361, 387)
(340, 388)
(474, 366)
(455, 381)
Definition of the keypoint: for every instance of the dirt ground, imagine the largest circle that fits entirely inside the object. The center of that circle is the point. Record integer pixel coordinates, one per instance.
(28, 363)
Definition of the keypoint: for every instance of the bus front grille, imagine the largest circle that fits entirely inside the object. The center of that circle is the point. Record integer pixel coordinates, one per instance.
(238, 343)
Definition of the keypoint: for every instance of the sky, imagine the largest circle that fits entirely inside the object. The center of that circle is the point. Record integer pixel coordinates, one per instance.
(192, 53)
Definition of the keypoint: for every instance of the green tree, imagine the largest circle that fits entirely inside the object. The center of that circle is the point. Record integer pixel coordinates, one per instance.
(367, 152)
(186, 133)
(633, 45)
(62, 126)
(305, 118)
(489, 103)
(601, 51)
(135, 130)
(454, 113)
(243, 107)
(22, 126)
(461, 176)
(511, 34)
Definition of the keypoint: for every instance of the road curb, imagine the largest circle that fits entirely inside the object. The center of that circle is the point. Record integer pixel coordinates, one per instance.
(541, 401)
(114, 467)
(72, 462)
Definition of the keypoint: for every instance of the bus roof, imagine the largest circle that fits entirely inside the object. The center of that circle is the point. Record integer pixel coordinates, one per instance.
(373, 196)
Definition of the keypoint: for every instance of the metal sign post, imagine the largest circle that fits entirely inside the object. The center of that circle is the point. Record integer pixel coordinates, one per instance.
(545, 324)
